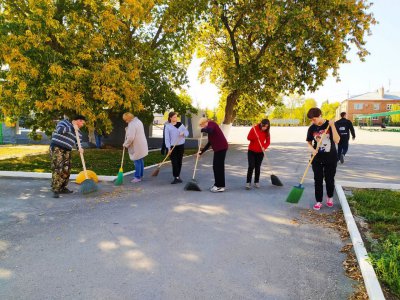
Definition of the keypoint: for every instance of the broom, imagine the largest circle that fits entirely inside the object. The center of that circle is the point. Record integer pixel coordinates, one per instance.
(157, 170)
(192, 185)
(274, 179)
(120, 176)
(297, 191)
(88, 185)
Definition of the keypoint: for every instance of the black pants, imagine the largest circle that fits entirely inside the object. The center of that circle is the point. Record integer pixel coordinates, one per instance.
(255, 159)
(219, 168)
(176, 159)
(323, 170)
(343, 146)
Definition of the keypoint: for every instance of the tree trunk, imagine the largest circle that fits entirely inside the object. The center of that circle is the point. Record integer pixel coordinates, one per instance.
(230, 109)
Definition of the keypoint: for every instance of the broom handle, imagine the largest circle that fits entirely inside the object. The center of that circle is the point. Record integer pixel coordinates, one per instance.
(197, 156)
(79, 149)
(316, 152)
(169, 153)
(122, 160)
(266, 159)
(123, 152)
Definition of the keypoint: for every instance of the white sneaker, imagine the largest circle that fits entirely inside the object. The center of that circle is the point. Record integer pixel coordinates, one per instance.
(248, 186)
(257, 185)
(215, 189)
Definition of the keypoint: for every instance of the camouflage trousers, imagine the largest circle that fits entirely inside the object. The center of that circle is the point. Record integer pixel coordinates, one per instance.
(60, 168)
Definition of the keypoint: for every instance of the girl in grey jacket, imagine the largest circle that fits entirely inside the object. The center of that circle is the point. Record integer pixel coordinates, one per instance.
(175, 133)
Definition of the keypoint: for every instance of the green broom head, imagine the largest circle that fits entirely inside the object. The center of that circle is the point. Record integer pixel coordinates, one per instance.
(120, 178)
(192, 186)
(275, 180)
(295, 194)
(88, 186)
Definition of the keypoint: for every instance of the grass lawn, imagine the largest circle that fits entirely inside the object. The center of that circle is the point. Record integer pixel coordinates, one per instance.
(381, 210)
(21, 150)
(101, 161)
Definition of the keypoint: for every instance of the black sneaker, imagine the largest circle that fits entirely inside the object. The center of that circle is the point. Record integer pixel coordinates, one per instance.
(179, 180)
(341, 158)
(66, 191)
(56, 195)
(175, 181)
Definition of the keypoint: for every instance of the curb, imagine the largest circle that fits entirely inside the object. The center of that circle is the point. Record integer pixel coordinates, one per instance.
(369, 185)
(372, 285)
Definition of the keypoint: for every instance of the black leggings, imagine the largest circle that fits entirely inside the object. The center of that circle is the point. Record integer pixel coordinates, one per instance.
(255, 159)
(219, 168)
(323, 170)
(176, 159)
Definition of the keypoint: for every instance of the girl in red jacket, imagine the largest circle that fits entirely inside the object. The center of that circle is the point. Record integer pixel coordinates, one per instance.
(259, 141)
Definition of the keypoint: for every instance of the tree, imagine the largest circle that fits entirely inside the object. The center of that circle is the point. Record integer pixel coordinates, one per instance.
(257, 49)
(395, 118)
(93, 57)
(329, 109)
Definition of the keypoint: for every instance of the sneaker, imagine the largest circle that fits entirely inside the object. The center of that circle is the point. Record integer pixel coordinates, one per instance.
(248, 186)
(56, 195)
(329, 202)
(317, 206)
(341, 158)
(256, 185)
(134, 180)
(215, 189)
(179, 179)
(175, 181)
(66, 191)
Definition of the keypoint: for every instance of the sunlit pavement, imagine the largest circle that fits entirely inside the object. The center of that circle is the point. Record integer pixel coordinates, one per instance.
(153, 240)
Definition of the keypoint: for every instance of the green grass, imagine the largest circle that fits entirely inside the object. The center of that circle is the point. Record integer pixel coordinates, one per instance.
(381, 210)
(21, 150)
(101, 161)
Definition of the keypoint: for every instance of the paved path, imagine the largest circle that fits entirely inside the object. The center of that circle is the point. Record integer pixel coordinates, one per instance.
(154, 240)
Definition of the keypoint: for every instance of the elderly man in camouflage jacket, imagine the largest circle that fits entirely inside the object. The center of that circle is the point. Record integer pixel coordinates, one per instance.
(62, 142)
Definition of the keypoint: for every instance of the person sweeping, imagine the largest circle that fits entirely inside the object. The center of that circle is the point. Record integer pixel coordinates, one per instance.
(259, 138)
(136, 143)
(175, 133)
(219, 144)
(325, 160)
(63, 140)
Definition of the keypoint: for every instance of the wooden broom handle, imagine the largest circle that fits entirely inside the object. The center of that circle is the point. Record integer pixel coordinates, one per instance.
(262, 148)
(169, 153)
(197, 156)
(122, 160)
(79, 149)
(315, 154)
(123, 152)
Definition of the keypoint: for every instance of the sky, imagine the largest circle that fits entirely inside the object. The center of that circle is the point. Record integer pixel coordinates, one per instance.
(381, 68)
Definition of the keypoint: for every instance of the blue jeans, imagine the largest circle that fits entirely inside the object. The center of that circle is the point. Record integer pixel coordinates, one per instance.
(139, 168)
(98, 140)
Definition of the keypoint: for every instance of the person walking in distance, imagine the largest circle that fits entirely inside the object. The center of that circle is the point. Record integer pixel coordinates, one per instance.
(344, 127)
(63, 140)
(175, 133)
(258, 134)
(136, 143)
(324, 163)
(219, 144)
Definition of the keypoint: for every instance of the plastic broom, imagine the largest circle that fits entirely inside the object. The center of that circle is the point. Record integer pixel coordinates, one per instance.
(88, 185)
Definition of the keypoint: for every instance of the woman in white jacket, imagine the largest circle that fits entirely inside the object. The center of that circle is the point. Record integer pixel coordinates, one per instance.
(136, 143)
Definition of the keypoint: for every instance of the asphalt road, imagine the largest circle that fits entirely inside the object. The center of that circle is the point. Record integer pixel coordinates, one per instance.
(153, 240)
